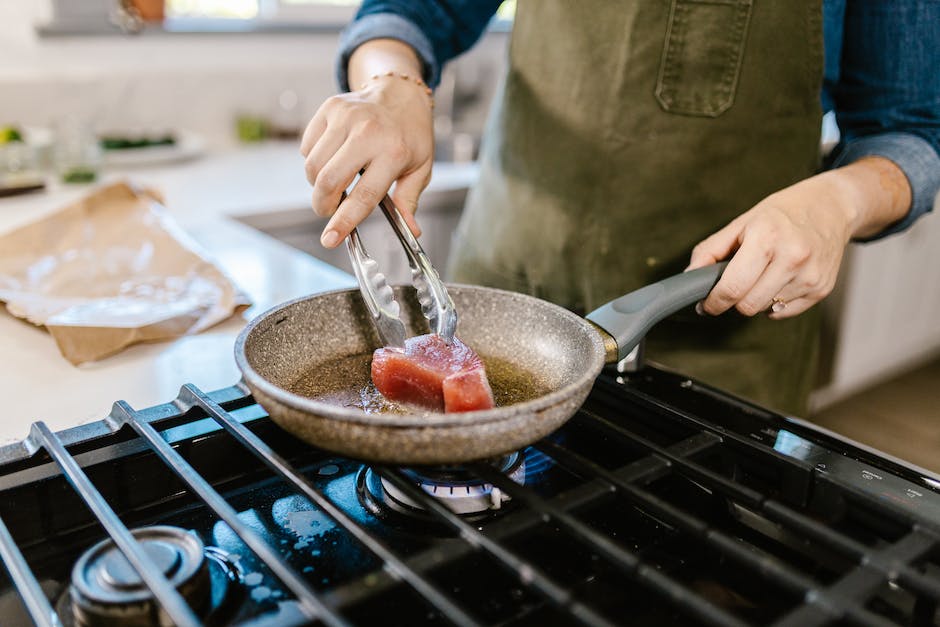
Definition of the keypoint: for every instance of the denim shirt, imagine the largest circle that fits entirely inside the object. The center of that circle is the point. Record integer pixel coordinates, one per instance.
(881, 73)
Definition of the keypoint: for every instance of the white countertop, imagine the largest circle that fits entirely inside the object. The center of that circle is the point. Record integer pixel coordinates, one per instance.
(37, 383)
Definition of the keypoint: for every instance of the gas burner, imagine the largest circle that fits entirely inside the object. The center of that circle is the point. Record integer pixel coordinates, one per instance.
(106, 590)
(454, 486)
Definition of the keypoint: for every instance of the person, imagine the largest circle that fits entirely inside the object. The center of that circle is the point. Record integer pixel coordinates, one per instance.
(632, 140)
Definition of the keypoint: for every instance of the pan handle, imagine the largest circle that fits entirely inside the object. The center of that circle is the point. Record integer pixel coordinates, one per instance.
(628, 318)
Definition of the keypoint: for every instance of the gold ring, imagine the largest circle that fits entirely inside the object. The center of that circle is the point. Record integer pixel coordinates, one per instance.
(778, 305)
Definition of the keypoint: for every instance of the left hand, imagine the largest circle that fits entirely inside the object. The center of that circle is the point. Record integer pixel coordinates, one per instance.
(787, 249)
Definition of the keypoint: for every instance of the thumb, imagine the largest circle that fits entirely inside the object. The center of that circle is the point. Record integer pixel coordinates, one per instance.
(405, 196)
(715, 247)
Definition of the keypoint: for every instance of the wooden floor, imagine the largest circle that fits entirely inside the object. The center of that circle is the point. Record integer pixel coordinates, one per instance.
(900, 417)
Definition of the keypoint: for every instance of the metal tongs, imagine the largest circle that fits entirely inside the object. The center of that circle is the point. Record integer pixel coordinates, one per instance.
(436, 304)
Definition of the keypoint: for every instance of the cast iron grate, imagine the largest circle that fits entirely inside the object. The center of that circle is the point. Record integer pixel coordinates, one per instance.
(787, 545)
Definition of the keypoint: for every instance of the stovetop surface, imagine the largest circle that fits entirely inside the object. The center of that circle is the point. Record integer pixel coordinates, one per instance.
(661, 502)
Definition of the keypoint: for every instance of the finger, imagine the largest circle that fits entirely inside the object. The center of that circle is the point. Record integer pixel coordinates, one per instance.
(334, 177)
(743, 271)
(369, 190)
(792, 308)
(717, 246)
(771, 284)
(327, 145)
(407, 190)
(313, 131)
(412, 223)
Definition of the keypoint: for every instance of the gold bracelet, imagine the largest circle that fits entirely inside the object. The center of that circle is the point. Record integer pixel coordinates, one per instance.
(406, 77)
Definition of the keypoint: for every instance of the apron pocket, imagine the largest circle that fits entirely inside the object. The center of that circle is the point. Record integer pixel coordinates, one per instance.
(702, 56)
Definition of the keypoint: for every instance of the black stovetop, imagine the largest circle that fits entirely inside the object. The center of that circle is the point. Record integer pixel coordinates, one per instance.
(661, 502)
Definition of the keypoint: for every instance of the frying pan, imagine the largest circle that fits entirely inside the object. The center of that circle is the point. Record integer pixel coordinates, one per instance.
(563, 352)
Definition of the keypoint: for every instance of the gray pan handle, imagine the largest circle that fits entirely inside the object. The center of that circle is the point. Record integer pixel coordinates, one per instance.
(628, 318)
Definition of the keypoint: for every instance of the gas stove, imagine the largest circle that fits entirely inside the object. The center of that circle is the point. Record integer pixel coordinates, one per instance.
(663, 501)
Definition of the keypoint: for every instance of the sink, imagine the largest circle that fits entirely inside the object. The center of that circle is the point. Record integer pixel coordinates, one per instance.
(438, 213)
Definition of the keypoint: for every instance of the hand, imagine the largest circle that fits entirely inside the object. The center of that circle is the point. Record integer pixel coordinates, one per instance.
(384, 128)
(788, 248)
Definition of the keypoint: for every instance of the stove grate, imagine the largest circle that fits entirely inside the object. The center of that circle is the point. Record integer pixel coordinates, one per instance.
(525, 571)
(392, 563)
(839, 601)
(268, 554)
(38, 606)
(896, 570)
(845, 597)
(167, 596)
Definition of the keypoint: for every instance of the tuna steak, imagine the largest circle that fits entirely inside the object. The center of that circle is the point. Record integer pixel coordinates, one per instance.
(432, 374)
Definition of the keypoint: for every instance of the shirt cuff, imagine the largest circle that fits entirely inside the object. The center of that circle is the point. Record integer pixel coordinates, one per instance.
(916, 158)
(385, 26)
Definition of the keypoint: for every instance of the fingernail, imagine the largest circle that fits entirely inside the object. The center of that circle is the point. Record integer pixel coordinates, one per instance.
(330, 239)
(700, 308)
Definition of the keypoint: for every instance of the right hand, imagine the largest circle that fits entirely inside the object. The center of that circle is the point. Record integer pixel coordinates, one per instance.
(385, 128)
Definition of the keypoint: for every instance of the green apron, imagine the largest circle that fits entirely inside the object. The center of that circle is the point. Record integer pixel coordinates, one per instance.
(627, 132)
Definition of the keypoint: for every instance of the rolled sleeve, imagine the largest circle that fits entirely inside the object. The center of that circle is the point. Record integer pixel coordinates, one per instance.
(913, 155)
(438, 30)
(386, 26)
(886, 90)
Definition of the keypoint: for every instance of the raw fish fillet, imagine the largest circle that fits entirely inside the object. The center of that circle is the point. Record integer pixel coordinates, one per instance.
(467, 390)
(432, 374)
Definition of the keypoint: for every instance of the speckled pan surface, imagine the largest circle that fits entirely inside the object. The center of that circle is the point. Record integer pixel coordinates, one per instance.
(561, 349)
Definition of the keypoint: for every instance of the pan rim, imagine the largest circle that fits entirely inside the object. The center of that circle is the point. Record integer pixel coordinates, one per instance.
(437, 420)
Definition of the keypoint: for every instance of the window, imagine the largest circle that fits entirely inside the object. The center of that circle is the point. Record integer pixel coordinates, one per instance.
(95, 17)
(261, 12)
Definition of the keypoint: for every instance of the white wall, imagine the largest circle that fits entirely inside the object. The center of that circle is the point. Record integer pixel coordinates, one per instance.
(885, 313)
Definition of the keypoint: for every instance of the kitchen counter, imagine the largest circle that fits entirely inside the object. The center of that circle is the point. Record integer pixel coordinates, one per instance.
(204, 196)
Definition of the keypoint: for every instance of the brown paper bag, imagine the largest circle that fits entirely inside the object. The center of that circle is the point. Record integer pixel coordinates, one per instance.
(111, 270)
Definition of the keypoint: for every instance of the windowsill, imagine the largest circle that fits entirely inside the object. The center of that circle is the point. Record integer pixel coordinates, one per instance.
(190, 26)
(96, 28)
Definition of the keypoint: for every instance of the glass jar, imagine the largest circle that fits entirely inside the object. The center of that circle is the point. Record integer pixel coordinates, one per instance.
(78, 153)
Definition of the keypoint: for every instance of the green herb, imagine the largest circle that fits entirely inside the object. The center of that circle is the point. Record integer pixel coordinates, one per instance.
(251, 129)
(10, 134)
(79, 174)
(117, 142)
